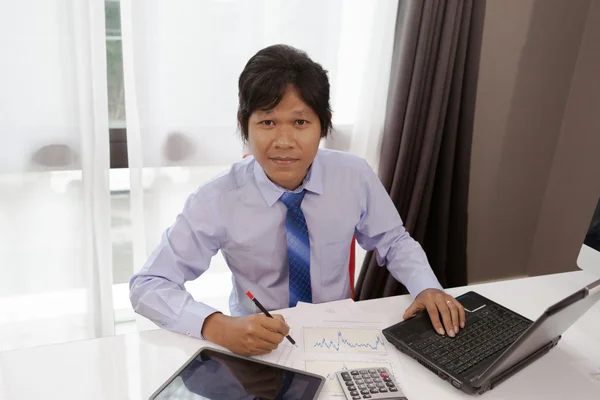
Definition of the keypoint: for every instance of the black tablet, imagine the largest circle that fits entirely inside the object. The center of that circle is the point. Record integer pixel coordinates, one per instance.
(217, 375)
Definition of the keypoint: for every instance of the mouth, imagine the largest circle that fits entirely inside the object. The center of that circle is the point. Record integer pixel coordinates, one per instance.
(283, 160)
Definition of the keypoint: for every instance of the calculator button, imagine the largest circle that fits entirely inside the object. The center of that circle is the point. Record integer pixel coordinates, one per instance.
(362, 387)
(371, 386)
(393, 389)
(377, 380)
(368, 381)
(355, 373)
(384, 375)
(356, 397)
(372, 371)
(359, 381)
(382, 390)
(374, 391)
(380, 385)
(366, 396)
(354, 393)
(351, 387)
(346, 376)
(390, 384)
(349, 383)
(387, 380)
(364, 371)
(380, 370)
(364, 391)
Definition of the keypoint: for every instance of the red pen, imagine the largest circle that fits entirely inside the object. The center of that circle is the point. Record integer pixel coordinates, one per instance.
(264, 310)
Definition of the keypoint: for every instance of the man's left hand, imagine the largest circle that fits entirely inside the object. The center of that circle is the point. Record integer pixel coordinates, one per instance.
(437, 302)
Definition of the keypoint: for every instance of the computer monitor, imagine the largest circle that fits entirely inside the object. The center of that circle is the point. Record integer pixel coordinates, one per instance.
(589, 255)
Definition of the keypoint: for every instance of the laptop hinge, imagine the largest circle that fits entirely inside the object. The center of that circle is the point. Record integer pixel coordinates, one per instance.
(593, 287)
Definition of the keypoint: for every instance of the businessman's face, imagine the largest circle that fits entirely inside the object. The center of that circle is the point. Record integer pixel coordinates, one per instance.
(285, 140)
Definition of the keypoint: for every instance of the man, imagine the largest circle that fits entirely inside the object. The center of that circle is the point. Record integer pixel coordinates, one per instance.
(283, 219)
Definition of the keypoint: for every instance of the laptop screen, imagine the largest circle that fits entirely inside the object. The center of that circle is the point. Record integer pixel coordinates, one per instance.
(589, 255)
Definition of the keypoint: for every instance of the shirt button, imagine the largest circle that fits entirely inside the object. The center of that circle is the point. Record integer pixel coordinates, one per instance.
(189, 333)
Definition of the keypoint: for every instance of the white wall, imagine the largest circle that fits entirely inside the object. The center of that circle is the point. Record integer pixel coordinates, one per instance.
(529, 57)
(573, 185)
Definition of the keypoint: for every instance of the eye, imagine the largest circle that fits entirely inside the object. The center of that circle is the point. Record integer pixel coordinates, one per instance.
(267, 122)
(301, 122)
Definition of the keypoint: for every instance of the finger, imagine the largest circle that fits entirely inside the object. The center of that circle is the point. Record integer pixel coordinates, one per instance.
(257, 352)
(268, 335)
(442, 306)
(263, 345)
(275, 324)
(260, 329)
(453, 314)
(461, 314)
(280, 317)
(249, 351)
(434, 316)
(257, 347)
(412, 310)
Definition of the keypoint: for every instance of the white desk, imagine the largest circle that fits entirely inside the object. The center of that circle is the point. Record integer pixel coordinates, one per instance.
(132, 366)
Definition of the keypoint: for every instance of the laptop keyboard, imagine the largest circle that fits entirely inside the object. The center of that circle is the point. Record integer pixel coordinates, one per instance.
(487, 333)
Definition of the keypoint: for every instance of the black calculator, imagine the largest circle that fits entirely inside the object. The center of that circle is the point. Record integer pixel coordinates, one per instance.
(372, 383)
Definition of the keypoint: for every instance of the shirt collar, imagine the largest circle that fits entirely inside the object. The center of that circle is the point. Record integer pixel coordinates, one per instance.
(313, 182)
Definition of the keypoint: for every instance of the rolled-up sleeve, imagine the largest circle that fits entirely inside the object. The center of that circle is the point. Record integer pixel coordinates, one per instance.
(157, 292)
(381, 229)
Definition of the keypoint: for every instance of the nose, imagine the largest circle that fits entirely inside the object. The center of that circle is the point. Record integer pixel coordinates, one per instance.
(284, 137)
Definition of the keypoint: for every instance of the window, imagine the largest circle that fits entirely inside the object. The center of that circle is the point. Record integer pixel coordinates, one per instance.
(184, 102)
(122, 254)
(114, 58)
(116, 92)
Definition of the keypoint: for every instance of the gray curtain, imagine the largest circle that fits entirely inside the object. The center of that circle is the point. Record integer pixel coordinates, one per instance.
(426, 146)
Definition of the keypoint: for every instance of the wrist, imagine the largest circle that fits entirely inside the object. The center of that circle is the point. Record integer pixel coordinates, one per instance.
(213, 324)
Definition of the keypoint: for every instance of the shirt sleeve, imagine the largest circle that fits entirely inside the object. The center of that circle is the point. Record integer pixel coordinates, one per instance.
(157, 292)
(381, 229)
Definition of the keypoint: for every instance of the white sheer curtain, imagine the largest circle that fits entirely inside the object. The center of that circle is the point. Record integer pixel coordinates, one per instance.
(55, 255)
(182, 59)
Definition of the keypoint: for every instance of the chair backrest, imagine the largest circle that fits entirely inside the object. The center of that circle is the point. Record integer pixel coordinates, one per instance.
(351, 264)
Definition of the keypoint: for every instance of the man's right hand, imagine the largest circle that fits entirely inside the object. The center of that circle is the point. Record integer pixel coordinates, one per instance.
(252, 335)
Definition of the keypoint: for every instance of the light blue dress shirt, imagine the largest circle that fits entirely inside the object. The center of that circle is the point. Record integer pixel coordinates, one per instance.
(239, 213)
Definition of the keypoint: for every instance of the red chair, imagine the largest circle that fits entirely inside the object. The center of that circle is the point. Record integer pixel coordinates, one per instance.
(351, 263)
(351, 266)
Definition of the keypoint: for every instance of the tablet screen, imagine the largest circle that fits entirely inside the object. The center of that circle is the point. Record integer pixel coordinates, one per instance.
(215, 375)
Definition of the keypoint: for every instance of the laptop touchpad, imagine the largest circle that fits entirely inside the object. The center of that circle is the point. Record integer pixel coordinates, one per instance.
(419, 324)
(471, 303)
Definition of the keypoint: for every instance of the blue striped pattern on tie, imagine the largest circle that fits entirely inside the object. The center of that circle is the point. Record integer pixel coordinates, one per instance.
(298, 246)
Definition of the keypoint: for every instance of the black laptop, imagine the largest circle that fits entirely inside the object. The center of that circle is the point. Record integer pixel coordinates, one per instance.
(495, 343)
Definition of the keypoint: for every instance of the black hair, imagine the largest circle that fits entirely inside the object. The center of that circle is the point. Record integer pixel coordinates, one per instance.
(268, 73)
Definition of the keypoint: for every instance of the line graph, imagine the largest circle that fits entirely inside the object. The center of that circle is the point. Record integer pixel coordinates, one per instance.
(329, 368)
(344, 340)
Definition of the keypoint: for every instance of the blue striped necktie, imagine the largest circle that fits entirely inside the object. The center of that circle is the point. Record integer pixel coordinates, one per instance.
(298, 246)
